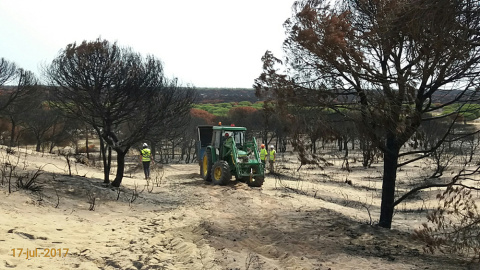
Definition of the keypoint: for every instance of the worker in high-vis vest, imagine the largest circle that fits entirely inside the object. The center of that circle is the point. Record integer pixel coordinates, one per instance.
(263, 154)
(271, 158)
(146, 156)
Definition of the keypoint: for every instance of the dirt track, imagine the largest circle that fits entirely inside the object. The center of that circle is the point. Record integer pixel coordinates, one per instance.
(269, 229)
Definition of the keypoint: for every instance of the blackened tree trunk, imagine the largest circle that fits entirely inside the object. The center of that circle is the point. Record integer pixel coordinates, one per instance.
(120, 168)
(109, 159)
(314, 146)
(12, 132)
(87, 150)
(39, 144)
(106, 165)
(52, 142)
(388, 185)
(154, 149)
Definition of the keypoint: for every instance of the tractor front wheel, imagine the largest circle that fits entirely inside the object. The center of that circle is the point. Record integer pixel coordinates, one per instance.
(221, 173)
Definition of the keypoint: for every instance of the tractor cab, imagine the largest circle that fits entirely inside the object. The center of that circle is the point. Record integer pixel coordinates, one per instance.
(236, 136)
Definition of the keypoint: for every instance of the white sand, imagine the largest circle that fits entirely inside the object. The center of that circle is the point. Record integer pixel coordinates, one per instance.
(186, 223)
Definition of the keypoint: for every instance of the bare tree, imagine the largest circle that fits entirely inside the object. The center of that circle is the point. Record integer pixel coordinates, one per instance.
(16, 83)
(123, 96)
(19, 109)
(386, 59)
(8, 71)
(47, 123)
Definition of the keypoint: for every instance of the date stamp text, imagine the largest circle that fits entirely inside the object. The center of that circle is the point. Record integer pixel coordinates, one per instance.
(39, 252)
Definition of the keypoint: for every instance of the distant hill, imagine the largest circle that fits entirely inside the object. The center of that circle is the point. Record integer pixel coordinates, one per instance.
(220, 95)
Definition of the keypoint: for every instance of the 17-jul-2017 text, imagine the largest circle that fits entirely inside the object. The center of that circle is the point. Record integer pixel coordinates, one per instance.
(39, 252)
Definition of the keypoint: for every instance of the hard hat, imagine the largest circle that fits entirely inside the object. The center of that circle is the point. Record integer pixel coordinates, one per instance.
(145, 145)
(226, 134)
(263, 145)
(271, 146)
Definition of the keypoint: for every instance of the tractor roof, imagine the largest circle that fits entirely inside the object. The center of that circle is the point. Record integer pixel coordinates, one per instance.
(229, 128)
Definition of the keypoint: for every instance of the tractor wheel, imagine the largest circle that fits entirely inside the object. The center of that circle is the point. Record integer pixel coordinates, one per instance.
(206, 167)
(221, 173)
(257, 181)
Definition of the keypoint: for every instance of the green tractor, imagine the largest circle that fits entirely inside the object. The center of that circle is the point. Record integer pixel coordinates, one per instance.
(223, 152)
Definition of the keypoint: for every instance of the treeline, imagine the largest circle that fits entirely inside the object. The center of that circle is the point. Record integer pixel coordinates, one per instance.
(221, 95)
(223, 108)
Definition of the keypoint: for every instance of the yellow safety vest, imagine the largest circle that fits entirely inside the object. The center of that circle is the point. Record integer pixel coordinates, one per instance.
(272, 155)
(263, 153)
(145, 154)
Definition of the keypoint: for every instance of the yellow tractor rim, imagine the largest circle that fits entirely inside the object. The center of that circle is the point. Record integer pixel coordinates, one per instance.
(217, 173)
(205, 165)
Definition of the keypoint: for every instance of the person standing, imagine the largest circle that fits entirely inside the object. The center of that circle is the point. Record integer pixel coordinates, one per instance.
(271, 159)
(146, 155)
(263, 155)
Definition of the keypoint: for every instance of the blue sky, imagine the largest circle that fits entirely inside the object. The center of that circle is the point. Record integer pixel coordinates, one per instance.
(208, 43)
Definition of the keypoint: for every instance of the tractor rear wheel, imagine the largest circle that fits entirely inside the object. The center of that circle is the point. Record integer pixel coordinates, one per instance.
(257, 181)
(221, 173)
(206, 167)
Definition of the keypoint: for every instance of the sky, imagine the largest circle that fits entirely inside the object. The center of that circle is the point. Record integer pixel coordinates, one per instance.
(203, 43)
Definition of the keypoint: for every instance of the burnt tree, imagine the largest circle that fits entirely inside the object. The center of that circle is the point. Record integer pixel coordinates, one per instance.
(385, 60)
(123, 96)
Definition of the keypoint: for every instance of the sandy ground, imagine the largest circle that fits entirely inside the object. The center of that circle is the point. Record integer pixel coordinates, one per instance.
(179, 221)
